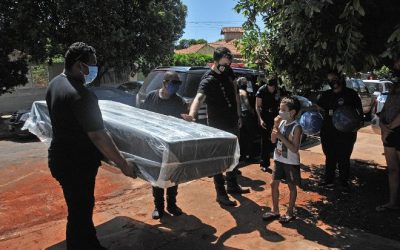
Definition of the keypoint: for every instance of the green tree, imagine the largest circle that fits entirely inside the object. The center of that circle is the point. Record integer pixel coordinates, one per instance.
(125, 33)
(191, 59)
(305, 39)
(186, 43)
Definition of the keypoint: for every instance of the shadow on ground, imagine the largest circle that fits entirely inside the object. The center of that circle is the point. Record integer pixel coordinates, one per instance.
(122, 233)
(356, 210)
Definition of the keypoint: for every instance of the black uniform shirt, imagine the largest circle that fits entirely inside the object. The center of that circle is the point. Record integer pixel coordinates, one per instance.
(220, 99)
(330, 101)
(270, 104)
(174, 106)
(74, 111)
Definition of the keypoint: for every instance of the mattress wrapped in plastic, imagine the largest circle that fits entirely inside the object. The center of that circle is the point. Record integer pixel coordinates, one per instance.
(167, 150)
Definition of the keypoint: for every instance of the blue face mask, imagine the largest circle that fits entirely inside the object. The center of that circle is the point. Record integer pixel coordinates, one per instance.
(172, 88)
(92, 74)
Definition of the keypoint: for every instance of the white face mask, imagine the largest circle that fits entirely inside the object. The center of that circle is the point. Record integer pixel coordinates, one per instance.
(284, 115)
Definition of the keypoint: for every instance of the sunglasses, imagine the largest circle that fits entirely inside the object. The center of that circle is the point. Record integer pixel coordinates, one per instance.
(175, 82)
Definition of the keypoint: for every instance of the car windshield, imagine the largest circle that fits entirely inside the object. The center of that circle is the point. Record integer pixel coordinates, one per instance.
(374, 87)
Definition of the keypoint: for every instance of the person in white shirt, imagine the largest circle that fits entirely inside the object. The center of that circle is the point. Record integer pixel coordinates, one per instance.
(287, 134)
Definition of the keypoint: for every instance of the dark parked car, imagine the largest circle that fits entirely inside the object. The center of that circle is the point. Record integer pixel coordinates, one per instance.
(114, 94)
(190, 77)
(131, 87)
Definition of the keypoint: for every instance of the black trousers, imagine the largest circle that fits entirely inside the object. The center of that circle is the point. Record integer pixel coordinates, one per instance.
(158, 194)
(78, 182)
(266, 146)
(231, 176)
(337, 148)
(247, 132)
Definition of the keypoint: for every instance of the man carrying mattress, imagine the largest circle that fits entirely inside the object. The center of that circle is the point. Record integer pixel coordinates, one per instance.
(79, 143)
(165, 101)
(220, 94)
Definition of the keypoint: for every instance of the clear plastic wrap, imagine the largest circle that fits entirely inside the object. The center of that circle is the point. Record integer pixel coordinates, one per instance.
(167, 150)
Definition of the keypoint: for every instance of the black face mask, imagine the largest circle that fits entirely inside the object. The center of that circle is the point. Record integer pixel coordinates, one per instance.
(333, 83)
(244, 87)
(223, 68)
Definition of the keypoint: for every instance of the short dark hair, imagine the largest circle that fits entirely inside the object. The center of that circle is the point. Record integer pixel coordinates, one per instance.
(221, 52)
(78, 51)
(272, 82)
(292, 103)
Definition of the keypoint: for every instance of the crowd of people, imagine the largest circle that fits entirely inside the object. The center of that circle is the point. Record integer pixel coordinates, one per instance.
(80, 139)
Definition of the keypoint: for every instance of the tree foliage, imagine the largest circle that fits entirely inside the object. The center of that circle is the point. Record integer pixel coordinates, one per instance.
(125, 33)
(305, 39)
(194, 59)
(186, 43)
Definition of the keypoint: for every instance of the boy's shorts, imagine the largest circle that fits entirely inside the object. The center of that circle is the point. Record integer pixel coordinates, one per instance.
(287, 172)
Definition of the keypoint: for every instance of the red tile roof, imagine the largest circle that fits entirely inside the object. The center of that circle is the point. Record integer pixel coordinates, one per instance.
(192, 49)
(230, 45)
(195, 48)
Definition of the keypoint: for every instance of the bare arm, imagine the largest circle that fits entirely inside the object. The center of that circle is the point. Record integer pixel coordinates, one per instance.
(103, 141)
(243, 94)
(258, 110)
(194, 108)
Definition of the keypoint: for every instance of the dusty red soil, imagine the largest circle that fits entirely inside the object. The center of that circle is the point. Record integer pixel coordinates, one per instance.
(33, 212)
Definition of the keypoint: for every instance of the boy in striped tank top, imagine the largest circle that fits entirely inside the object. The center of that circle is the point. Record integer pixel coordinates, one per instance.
(287, 134)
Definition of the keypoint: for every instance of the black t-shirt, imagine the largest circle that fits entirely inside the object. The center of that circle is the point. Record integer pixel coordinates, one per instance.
(74, 111)
(220, 99)
(173, 106)
(330, 101)
(270, 104)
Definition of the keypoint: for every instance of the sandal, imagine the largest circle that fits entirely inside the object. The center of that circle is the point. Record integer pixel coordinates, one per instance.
(287, 218)
(269, 216)
(385, 208)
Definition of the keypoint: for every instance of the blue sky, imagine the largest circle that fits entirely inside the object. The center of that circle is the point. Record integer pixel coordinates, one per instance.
(206, 18)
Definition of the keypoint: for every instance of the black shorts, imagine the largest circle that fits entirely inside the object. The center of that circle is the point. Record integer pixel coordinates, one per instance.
(287, 172)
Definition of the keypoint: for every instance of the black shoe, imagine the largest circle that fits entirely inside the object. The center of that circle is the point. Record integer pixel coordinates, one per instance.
(225, 201)
(174, 210)
(157, 214)
(236, 189)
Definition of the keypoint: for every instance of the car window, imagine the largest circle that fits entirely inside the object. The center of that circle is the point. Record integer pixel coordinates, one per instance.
(361, 86)
(388, 85)
(153, 81)
(191, 85)
(373, 86)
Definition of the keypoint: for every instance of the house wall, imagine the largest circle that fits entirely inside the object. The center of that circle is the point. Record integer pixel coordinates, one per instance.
(232, 35)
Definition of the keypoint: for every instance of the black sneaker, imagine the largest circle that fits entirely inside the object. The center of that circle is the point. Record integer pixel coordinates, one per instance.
(174, 210)
(157, 214)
